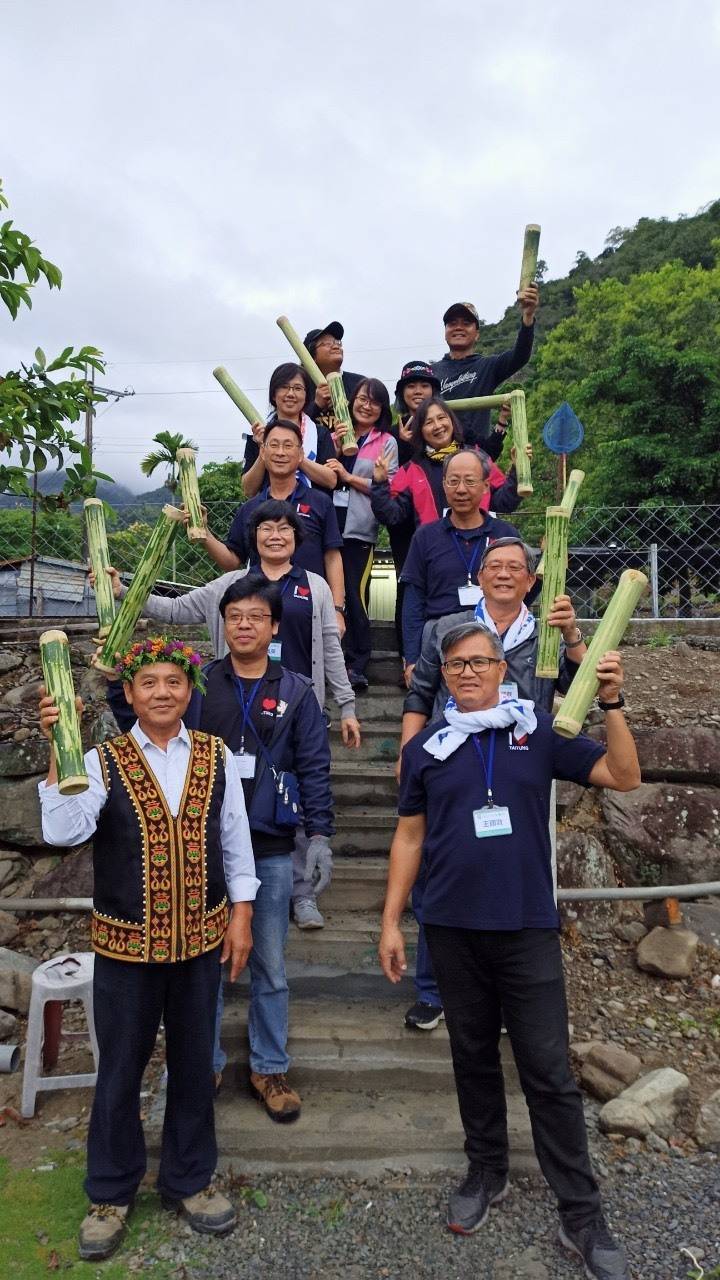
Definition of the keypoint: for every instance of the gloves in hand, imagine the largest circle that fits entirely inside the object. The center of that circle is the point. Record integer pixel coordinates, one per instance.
(318, 863)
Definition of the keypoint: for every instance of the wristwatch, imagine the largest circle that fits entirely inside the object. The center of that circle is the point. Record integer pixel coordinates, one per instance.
(340, 608)
(612, 706)
(573, 644)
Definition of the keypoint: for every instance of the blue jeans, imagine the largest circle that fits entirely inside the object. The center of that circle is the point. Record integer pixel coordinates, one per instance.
(425, 983)
(268, 1010)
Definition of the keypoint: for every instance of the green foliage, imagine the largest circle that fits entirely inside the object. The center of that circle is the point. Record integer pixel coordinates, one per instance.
(169, 443)
(58, 534)
(221, 482)
(18, 253)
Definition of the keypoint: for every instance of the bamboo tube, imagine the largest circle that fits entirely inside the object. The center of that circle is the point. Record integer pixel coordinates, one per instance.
(520, 440)
(301, 351)
(342, 412)
(567, 502)
(531, 247)
(478, 402)
(187, 471)
(100, 563)
(547, 660)
(66, 740)
(238, 397)
(609, 632)
(144, 578)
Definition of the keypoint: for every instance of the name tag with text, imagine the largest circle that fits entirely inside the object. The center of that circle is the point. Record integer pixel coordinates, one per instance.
(493, 821)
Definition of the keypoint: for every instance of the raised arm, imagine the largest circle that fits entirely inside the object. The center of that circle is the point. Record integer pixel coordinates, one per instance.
(619, 768)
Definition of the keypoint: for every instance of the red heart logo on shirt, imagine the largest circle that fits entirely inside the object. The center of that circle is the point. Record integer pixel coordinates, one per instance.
(304, 508)
(303, 591)
(269, 704)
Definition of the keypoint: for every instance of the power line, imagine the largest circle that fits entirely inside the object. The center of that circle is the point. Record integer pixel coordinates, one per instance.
(360, 351)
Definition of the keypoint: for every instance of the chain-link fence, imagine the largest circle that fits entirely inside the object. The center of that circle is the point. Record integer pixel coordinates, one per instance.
(677, 546)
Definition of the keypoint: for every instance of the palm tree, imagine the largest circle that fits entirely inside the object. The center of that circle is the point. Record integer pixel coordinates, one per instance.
(166, 455)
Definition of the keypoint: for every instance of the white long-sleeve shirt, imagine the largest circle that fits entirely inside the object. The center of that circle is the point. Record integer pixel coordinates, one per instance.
(69, 820)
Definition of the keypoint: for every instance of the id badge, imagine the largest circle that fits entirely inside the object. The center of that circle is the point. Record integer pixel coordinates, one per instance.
(469, 594)
(341, 497)
(508, 691)
(245, 763)
(275, 650)
(493, 821)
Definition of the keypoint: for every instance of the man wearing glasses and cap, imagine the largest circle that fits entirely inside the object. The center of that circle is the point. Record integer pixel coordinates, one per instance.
(325, 347)
(463, 373)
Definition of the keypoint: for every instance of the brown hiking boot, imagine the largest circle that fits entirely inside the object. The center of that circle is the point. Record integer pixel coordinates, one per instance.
(281, 1102)
(207, 1211)
(101, 1231)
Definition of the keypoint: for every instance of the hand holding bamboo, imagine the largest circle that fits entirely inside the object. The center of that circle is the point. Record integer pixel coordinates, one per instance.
(547, 661)
(100, 563)
(190, 490)
(520, 440)
(341, 410)
(531, 248)
(66, 740)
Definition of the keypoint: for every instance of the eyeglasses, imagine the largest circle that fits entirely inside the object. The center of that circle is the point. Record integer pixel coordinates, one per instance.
(456, 666)
(454, 482)
(498, 566)
(255, 618)
(367, 401)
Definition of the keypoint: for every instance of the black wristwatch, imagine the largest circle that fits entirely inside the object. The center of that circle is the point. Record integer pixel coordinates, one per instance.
(340, 608)
(612, 706)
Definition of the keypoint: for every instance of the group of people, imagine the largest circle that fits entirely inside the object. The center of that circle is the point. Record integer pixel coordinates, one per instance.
(212, 811)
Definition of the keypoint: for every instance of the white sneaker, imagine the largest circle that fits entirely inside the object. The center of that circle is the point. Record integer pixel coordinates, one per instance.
(306, 914)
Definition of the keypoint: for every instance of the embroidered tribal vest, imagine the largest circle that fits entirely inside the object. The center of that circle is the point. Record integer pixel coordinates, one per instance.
(159, 882)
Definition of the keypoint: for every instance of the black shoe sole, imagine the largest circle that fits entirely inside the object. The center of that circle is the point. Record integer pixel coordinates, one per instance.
(203, 1228)
(288, 1118)
(458, 1230)
(425, 1026)
(88, 1255)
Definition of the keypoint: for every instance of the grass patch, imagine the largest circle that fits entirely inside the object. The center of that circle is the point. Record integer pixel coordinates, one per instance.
(40, 1217)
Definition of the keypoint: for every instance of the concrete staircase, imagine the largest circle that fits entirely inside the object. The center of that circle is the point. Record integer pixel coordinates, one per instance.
(375, 1095)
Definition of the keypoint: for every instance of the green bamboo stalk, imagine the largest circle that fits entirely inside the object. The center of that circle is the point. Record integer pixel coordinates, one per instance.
(66, 740)
(531, 247)
(520, 440)
(144, 578)
(341, 409)
(238, 397)
(609, 632)
(547, 659)
(478, 402)
(187, 472)
(301, 351)
(100, 563)
(567, 502)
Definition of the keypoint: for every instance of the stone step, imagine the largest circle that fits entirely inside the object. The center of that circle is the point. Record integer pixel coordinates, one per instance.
(362, 830)
(380, 702)
(384, 667)
(369, 784)
(349, 938)
(380, 741)
(358, 884)
(382, 635)
(350, 1133)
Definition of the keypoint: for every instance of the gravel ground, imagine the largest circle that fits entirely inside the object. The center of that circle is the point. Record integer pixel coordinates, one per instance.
(393, 1228)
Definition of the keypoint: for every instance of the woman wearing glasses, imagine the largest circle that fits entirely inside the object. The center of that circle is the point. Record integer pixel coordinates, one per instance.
(370, 410)
(290, 393)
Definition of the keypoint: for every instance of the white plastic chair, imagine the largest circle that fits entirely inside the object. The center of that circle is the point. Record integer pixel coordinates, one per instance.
(66, 977)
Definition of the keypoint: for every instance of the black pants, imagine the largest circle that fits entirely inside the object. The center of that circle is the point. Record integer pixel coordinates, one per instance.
(357, 558)
(130, 1000)
(482, 977)
(400, 539)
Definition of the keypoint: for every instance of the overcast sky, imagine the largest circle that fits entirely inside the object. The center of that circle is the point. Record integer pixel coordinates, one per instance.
(195, 170)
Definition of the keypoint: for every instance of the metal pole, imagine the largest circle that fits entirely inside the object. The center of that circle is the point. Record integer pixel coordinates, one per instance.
(33, 541)
(654, 580)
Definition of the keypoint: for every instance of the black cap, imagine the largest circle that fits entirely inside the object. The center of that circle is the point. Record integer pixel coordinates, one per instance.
(417, 371)
(466, 309)
(334, 328)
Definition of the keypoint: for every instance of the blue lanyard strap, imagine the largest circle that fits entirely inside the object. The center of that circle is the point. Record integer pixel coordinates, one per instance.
(285, 586)
(469, 564)
(245, 706)
(487, 768)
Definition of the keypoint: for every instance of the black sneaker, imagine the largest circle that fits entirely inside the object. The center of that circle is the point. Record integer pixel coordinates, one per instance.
(423, 1016)
(469, 1205)
(358, 682)
(604, 1258)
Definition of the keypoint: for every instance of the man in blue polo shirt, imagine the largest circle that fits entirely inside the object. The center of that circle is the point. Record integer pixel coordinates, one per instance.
(474, 805)
(440, 573)
(320, 549)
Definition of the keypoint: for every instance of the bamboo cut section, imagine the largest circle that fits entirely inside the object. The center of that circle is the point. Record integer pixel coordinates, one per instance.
(66, 740)
(341, 411)
(531, 248)
(520, 440)
(609, 632)
(301, 351)
(477, 402)
(100, 563)
(238, 397)
(557, 521)
(567, 502)
(144, 579)
(190, 490)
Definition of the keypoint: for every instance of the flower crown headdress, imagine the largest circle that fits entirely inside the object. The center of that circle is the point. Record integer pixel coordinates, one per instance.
(161, 649)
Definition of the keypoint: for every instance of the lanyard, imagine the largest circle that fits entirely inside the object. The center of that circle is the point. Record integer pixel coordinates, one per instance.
(245, 706)
(469, 564)
(285, 586)
(487, 768)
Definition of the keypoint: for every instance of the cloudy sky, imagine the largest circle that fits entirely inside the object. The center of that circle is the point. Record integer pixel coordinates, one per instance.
(196, 170)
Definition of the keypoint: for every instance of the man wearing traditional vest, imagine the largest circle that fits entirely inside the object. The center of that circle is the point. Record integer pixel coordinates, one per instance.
(174, 886)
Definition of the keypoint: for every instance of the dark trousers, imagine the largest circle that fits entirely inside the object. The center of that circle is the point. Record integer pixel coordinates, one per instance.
(484, 976)
(357, 558)
(425, 982)
(400, 539)
(130, 1000)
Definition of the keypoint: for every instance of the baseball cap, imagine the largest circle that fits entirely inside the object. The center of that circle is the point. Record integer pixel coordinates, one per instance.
(334, 328)
(417, 371)
(466, 309)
